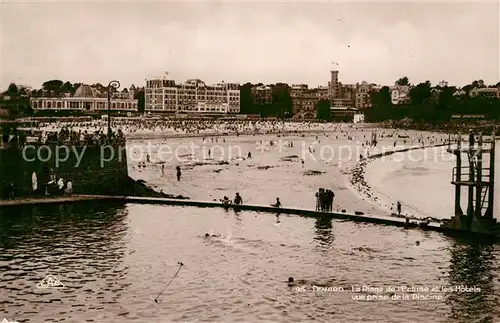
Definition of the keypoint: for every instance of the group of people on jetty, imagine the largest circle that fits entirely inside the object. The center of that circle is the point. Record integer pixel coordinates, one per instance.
(239, 201)
(324, 200)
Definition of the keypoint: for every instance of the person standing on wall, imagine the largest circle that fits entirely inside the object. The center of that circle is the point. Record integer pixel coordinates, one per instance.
(278, 203)
(237, 199)
(34, 183)
(60, 186)
(330, 195)
(69, 188)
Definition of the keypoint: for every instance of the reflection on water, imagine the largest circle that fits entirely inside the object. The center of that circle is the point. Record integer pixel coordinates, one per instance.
(81, 244)
(473, 264)
(114, 260)
(324, 234)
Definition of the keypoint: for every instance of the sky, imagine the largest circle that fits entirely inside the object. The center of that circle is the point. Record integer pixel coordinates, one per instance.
(258, 41)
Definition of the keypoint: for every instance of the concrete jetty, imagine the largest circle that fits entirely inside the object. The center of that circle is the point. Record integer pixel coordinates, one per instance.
(364, 218)
(53, 200)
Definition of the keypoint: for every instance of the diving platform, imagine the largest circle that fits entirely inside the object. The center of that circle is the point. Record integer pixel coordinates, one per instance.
(479, 183)
(468, 183)
(468, 150)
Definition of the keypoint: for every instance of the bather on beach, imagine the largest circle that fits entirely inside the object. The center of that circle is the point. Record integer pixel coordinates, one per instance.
(178, 173)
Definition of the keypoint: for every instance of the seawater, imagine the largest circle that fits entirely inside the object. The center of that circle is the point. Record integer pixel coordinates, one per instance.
(421, 180)
(115, 259)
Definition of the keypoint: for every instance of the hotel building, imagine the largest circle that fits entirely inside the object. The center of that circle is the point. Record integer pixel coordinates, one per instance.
(86, 99)
(193, 96)
(363, 95)
(304, 100)
(262, 95)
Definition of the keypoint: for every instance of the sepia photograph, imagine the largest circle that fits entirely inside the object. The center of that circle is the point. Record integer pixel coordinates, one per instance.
(249, 161)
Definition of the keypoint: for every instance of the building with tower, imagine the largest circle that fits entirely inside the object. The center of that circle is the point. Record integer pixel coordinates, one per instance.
(334, 86)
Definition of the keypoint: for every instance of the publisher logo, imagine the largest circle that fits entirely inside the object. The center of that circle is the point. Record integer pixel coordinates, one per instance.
(50, 281)
(7, 321)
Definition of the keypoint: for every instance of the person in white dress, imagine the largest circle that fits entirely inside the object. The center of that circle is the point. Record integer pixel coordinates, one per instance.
(34, 182)
(69, 188)
(60, 185)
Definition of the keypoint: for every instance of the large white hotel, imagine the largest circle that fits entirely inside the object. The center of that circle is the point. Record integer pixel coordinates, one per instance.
(193, 96)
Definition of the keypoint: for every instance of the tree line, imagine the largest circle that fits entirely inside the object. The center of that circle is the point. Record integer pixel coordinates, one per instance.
(280, 106)
(427, 103)
(437, 103)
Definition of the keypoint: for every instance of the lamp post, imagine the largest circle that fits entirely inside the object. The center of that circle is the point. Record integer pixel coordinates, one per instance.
(115, 85)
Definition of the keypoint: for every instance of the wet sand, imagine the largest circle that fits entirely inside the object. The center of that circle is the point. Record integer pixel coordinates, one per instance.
(361, 185)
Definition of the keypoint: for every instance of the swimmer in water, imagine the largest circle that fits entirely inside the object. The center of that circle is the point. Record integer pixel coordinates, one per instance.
(291, 282)
(207, 235)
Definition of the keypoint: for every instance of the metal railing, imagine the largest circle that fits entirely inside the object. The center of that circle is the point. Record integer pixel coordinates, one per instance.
(465, 171)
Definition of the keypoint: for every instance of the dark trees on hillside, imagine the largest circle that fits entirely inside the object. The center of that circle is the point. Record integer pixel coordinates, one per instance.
(139, 96)
(323, 111)
(403, 81)
(428, 104)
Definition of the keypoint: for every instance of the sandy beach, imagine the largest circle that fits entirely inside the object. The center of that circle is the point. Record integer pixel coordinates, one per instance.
(331, 160)
(261, 160)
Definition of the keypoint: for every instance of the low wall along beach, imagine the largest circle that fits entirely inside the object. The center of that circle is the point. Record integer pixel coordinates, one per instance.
(84, 166)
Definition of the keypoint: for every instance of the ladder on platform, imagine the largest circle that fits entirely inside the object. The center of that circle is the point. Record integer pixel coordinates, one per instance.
(484, 194)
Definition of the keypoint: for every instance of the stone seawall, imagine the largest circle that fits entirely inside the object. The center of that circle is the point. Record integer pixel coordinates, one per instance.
(89, 168)
(99, 169)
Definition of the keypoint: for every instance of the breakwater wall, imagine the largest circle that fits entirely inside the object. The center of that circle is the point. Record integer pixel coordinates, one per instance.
(356, 217)
(391, 152)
